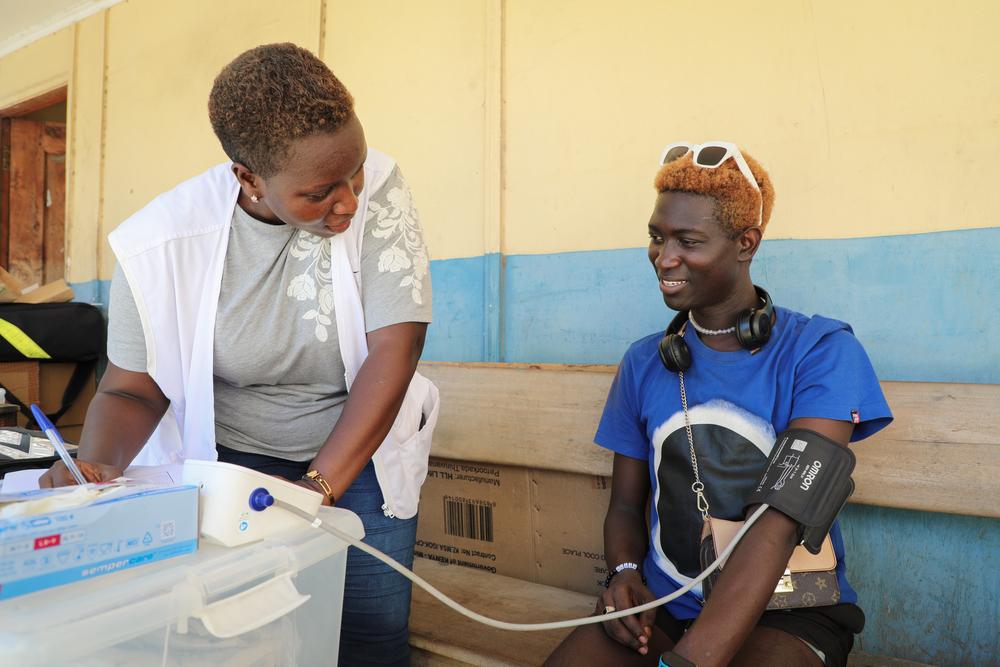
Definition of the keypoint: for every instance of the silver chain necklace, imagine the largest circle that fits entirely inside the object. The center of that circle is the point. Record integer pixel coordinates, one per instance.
(697, 487)
(709, 332)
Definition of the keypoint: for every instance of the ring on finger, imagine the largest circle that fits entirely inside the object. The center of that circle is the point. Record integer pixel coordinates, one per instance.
(608, 609)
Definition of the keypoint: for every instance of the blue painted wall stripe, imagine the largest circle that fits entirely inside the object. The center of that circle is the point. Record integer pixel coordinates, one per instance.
(459, 331)
(925, 306)
(927, 582)
(92, 291)
(493, 280)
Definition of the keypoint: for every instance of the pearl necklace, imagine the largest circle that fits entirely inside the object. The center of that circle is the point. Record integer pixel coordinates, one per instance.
(709, 332)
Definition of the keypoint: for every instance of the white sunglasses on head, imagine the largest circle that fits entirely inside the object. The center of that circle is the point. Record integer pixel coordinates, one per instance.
(711, 155)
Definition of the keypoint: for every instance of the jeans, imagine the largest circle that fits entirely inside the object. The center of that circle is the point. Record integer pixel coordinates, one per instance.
(374, 629)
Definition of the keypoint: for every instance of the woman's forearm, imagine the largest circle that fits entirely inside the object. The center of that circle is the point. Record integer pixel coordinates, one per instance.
(117, 426)
(372, 405)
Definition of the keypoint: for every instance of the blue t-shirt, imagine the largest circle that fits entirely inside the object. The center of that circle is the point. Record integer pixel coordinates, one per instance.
(738, 402)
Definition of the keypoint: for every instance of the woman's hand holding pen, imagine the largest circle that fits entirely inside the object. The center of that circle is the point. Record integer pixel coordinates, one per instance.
(627, 590)
(59, 475)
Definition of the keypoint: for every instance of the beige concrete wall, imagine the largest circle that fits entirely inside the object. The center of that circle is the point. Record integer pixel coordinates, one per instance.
(37, 68)
(873, 118)
(530, 127)
(426, 76)
(85, 151)
(139, 75)
(162, 58)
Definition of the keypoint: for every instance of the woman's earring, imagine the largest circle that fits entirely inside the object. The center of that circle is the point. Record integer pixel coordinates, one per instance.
(254, 198)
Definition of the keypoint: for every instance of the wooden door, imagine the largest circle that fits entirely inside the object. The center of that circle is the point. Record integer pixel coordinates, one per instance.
(32, 199)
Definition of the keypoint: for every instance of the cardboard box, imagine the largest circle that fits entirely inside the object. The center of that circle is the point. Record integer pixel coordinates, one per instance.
(53, 377)
(44, 383)
(57, 291)
(146, 525)
(475, 515)
(10, 287)
(569, 514)
(537, 525)
(21, 378)
(13, 290)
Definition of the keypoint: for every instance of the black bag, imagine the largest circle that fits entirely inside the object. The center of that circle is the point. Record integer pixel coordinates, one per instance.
(53, 332)
(63, 331)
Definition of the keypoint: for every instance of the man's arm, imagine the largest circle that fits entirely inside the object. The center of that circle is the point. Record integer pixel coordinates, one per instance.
(751, 573)
(120, 418)
(625, 541)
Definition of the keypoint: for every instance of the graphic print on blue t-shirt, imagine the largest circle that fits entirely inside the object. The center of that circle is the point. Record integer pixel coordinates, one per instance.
(732, 446)
(738, 401)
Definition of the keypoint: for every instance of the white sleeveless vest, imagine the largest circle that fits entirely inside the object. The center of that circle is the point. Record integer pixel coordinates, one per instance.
(172, 252)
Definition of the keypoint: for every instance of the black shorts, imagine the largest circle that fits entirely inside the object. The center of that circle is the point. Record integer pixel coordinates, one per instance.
(829, 629)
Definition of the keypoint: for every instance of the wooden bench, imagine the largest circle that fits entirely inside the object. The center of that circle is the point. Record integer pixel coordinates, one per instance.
(442, 638)
(545, 416)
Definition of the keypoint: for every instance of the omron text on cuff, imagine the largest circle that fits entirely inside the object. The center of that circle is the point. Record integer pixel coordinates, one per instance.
(808, 478)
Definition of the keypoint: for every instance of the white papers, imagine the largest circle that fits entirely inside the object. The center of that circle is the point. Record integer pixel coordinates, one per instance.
(165, 474)
(37, 502)
(19, 481)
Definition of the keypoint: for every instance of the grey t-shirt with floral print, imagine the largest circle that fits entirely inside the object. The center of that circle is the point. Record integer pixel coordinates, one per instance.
(279, 376)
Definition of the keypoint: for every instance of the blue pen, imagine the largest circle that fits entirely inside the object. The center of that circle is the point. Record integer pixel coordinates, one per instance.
(50, 430)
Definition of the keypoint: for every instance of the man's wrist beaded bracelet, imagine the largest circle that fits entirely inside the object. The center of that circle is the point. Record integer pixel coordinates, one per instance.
(628, 565)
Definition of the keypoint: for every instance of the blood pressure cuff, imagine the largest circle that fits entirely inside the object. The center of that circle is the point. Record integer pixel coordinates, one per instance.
(808, 478)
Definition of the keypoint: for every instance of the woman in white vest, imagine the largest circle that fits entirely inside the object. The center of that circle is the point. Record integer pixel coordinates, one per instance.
(270, 313)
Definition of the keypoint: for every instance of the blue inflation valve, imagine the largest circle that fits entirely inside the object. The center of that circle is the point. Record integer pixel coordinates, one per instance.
(260, 499)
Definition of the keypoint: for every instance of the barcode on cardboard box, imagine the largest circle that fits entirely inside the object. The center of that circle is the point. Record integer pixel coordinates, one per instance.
(468, 518)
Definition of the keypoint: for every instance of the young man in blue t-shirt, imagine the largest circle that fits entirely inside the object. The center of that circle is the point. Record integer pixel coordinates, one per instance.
(696, 439)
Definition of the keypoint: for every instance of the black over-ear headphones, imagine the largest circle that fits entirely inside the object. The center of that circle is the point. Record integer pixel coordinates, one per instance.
(753, 329)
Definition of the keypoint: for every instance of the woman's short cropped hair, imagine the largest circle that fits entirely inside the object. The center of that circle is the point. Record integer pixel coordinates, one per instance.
(269, 96)
(736, 202)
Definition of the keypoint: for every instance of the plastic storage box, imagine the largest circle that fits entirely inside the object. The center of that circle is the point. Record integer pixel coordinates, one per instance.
(274, 602)
(125, 527)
